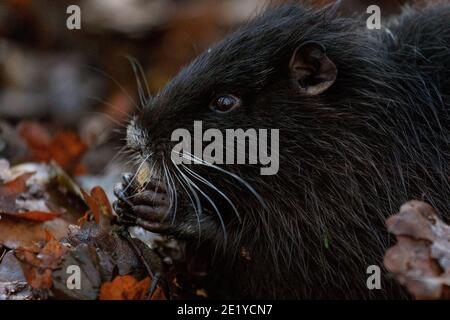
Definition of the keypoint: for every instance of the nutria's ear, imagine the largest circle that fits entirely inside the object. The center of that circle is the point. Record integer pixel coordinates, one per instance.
(311, 70)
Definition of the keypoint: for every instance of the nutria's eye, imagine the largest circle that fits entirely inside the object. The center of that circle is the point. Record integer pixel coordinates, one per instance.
(225, 103)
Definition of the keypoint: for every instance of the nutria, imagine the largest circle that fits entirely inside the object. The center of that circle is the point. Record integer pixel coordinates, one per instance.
(363, 127)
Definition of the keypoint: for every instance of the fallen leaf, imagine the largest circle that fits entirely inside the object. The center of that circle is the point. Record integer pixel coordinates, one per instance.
(83, 219)
(9, 192)
(24, 202)
(421, 258)
(125, 288)
(65, 148)
(158, 294)
(37, 215)
(37, 138)
(38, 268)
(21, 233)
(13, 285)
(9, 201)
(98, 203)
(49, 235)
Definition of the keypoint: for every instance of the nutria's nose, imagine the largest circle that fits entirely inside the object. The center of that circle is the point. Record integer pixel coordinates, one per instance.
(132, 137)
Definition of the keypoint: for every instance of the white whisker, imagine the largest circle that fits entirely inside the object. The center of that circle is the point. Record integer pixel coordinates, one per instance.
(212, 186)
(239, 179)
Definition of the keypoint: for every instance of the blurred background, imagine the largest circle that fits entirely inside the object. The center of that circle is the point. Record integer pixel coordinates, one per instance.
(80, 80)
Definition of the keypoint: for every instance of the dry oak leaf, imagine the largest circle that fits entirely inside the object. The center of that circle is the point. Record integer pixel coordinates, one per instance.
(35, 198)
(38, 268)
(65, 147)
(421, 258)
(125, 288)
(98, 204)
(39, 216)
(13, 285)
(10, 192)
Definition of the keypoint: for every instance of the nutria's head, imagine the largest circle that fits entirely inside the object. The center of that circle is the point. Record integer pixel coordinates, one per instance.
(294, 70)
(272, 73)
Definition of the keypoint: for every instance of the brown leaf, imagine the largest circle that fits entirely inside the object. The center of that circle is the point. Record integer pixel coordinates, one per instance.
(31, 206)
(9, 192)
(36, 136)
(49, 235)
(158, 294)
(125, 288)
(21, 233)
(38, 268)
(38, 216)
(65, 148)
(98, 204)
(83, 219)
(421, 258)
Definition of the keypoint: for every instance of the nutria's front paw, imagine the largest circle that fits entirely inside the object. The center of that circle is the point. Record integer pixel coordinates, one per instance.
(149, 208)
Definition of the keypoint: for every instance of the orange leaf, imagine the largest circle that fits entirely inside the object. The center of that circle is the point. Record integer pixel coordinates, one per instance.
(80, 170)
(125, 288)
(65, 148)
(49, 236)
(83, 219)
(98, 203)
(10, 190)
(102, 199)
(35, 135)
(38, 268)
(37, 215)
(16, 186)
(36, 278)
(158, 294)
